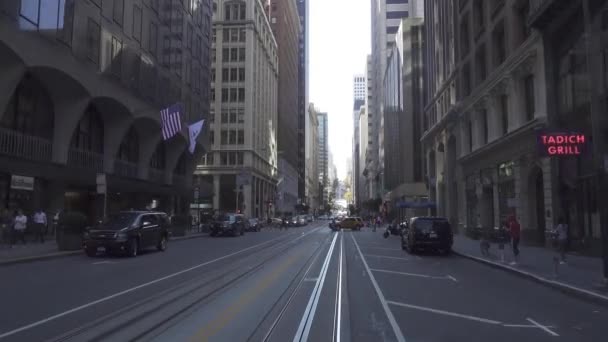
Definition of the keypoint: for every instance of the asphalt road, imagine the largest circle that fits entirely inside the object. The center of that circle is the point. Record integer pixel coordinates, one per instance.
(303, 284)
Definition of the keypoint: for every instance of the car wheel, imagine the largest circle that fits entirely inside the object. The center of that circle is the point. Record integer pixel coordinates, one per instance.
(213, 234)
(133, 248)
(91, 252)
(162, 244)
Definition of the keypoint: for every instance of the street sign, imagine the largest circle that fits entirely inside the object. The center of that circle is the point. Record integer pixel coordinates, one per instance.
(102, 188)
(101, 179)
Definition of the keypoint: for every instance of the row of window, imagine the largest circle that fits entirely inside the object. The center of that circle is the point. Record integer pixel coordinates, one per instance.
(234, 35)
(229, 115)
(233, 54)
(232, 137)
(230, 95)
(226, 158)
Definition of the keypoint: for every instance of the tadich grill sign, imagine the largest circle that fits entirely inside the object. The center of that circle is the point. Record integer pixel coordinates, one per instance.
(561, 144)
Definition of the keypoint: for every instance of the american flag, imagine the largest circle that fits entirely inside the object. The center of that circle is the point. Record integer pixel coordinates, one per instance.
(171, 122)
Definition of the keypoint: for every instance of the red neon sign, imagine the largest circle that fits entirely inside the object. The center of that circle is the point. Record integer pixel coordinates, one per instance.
(561, 144)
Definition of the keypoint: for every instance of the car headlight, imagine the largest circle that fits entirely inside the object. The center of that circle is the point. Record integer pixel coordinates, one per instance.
(122, 236)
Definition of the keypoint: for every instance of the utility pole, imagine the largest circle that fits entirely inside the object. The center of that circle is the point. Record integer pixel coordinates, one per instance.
(595, 69)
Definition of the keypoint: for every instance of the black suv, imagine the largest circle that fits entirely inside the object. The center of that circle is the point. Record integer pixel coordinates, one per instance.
(233, 224)
(128, 231)
(428, 233)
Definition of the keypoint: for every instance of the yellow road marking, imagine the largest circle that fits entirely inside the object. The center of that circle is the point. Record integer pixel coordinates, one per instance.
(224, 317)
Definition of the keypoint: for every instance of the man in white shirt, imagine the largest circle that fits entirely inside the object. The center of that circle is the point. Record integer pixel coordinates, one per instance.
(40, 224)
(19, 226)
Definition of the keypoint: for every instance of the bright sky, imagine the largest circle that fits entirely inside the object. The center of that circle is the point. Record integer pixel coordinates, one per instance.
(339, 43)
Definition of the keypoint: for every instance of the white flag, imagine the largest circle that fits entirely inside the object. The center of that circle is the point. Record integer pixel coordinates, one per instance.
(194, 130)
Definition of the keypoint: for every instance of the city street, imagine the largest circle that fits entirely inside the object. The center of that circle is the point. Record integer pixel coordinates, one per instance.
(305, 283)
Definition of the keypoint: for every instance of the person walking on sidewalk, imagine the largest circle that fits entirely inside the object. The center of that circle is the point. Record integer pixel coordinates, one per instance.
(561, 235)
(40, 224)
(515, 231)
(19, 226)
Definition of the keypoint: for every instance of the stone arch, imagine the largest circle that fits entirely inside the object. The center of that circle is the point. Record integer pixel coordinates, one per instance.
(451, 179)
(12, 69)
(175, 147)
(536, 207)
(149, 134)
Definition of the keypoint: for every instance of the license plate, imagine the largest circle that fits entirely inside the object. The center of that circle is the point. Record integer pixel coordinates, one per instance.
(432, 235)
(101, 249)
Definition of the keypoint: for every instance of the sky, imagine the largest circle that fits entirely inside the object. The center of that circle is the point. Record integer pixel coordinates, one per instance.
(340, 40)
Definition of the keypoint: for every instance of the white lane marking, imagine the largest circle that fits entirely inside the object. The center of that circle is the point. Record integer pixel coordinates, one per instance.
(543, 327)
(524, 326)
(387, 310)
(415, 274)
(339, 328)
(104, 262)
(384, 248)
(447, 313)
(311, 307)
(311, 279)
(386, 257)
(118, 294)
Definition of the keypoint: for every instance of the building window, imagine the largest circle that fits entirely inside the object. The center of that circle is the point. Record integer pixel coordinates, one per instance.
(478, 15)
(213, 55)
(470, 134)
(225, 74)
(224, 115)
(466, 80)
(240, 112)
(483, 119)
(224, 137)
(224, 95)
(241, 54)
(233, 54)
(223, 158)
(241, 94)
(242, 11)
(225, 54)
(504, 112)
(232, 137)
(212, 137)
(153, 40)
(93, 40)
(189, 34)
(239, 158)
(227, 11)
(212, 95)
(116, 56)
(240, 137)
(233, 94)
(480, 64)
(226, 35)
(210, 159)
(118, 12)
(499, 40)
(234, 34)
(212, 74)
(242, 34)
(231, 158)
(213, 35)
(241, 74)
(529, 97)
(232, 115)
(233, 75)
(137, 23)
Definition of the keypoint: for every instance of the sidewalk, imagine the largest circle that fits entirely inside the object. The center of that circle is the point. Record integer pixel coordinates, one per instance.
(580, 275)
(33, 251)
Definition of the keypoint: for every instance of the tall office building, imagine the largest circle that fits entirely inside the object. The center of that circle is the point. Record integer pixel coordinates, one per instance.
(386, 18)
(303, 10)
(242, 163)
(83, 83)
(312, 159)
(359, 93)
(323, 155)
(285, 23)
(359, 87)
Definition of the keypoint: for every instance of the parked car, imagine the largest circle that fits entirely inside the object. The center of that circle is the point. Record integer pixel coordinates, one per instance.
(353, 223)
(233, 224)
(255, 225)
(302, 221)
(427, 233)
(323, 217)
(128, 232)
(310, 218)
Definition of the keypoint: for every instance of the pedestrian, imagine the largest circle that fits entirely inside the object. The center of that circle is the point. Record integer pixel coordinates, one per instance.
(561, 235)
(40, 224)
(19, 226)
(5, 226)
(515, 231)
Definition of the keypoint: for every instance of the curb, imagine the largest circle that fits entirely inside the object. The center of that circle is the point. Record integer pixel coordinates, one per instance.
(574, 291)
(58, 255)
(39, 257)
